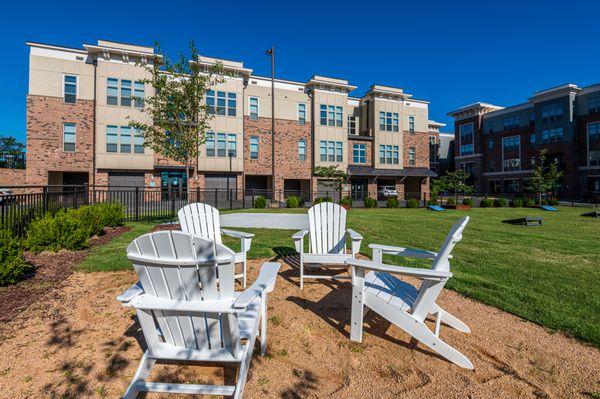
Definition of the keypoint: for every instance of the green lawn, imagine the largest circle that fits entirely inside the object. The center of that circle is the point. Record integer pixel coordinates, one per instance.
(549, 275)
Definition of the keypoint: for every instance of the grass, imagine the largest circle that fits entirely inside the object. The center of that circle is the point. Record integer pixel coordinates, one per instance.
(548, 274)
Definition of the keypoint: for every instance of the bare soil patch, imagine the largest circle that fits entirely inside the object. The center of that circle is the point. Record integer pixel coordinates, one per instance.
(79, 342)
(51, 270)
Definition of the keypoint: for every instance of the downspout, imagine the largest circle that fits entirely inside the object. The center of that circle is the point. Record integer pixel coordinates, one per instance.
(95, 64)
(309, 93)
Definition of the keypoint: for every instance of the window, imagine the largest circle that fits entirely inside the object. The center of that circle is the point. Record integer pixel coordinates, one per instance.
(512, 164)
(210, 144)
(411, 124)
(302, 150)
(112, 91)
(552, 135)
(125, 93)
(231, 145)
(331, 115)
(532, 139)
(466, 138)
(552, 113)
(511, 122)
(69, 137)
(331, 151)
(594, 105)
(511, 143)
(388, 121)
(359, 153)
(467, 167)
(339, 116)
(532, 119)
(593, 131)
(490, 166)
(125, 139)
(253, 108)
(594, 158)
(70, 89)
(433, 149)
(221, 145)
(411, 156)
(111, 138)
(210, 101)
(351, 124)
(301, 113)
(388, 154)
(221, 102)
(490, 144)
(253, 147)
(139, 94)
(231, 104)
(138, 142)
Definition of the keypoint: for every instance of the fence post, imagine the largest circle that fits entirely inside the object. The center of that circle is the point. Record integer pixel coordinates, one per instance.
(86, 199)
(197, 194)
(137, 203)
(75, 197)
(230, 199)
(173, 205)
(44, 200)
(252, 198)
(217, 198)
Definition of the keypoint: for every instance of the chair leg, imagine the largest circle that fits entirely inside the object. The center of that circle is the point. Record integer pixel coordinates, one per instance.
(244, 273)
(425, 336)
(141, 374)
(301, 273)
(451, 320)
(263, 325)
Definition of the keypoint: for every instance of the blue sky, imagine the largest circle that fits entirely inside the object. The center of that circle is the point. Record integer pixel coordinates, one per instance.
(451, 53)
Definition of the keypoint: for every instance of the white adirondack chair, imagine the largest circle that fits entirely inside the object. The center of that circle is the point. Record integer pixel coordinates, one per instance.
(327, 239)
(189, 312)
(203, 220)
(403, 304)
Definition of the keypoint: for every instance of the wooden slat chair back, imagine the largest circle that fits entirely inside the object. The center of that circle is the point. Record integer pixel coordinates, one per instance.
(180, 267)
(327, 228)
(201, 219)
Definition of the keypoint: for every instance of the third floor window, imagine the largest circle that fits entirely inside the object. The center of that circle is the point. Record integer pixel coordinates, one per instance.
(331, 115)
(359, 153)
(301, 113)
(351, 124)
(389, 154)
(411, 124)
(511, 143)
(70, 89)
(466, 138)
(388, 121)
(552, 113)
(594, 105)
(253, 105)
(121, 92)
(221, 103)
(253, 147)
(119, 139)
(412, 156)
(512, 122)
(593, 130)
(302, 150)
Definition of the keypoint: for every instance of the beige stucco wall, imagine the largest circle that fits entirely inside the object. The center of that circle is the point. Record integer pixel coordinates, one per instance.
(330, 133)
(287, 98)
(47, 68)
(383, 137)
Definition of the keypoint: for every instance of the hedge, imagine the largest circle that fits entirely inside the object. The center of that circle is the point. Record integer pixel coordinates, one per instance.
(13, 267)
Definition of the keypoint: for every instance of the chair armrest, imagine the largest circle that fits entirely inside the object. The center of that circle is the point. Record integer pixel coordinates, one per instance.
(424, 274)
(151, 302)
(237, 234)
(298, 238)
(401, 251)
(130, 293)
(265, 281)
(356, 241)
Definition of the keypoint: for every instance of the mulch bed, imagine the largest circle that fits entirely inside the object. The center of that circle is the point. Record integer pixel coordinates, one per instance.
(160, 227)
(51, 270)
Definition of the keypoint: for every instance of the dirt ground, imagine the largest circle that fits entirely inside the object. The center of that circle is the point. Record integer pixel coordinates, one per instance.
(77, 341)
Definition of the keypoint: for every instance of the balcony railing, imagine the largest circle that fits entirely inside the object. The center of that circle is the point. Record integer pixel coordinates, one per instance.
(12, 161)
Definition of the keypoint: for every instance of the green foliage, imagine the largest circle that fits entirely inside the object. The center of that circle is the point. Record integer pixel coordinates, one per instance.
(530, 202)
(500, 202)
(468, 201)
(10, 145)
(411, 203)
(13, 267)
(516, 203)
(332, 173)
(260, 202)
(545, 176)
(392, 202)
(432, 201)
(370, 202)
(318, 200)
(451, 201)
(292, 201)
(454, 182)
(347, 201)
(486, 203)
(553, 202)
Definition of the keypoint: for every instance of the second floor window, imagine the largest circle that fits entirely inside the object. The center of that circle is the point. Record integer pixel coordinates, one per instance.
(253, 147)
(511, 143)
(593, 131)
(112, 91)
(112, 138)
(221, 145)
(139, 92)
(253, 107)
(331, 151)
(594, 105)
(221, 103)
(411, 124)
(69, 137)
(552, 135)
(359, 153)
(389, 154)
(412, 156)
(512, 164)
(70, 89)
(388, 121)
(532, 139)
(119, 139)
(490, 144)
(466, 138)
(138, 142)
(302, 150)
(331, 115)
(301, 113)
(125, 93)
(594, 158)
(125, 139)
(351, 124)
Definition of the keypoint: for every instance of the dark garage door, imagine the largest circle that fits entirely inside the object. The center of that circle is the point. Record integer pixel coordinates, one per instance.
(124, 181)
(220, 182)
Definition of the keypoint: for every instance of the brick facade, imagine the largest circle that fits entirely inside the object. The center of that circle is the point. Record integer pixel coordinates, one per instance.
(368, 151)
(420, 141)
(45, 119)
(12, 177)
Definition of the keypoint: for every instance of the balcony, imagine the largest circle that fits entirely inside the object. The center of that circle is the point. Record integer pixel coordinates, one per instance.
(365, 135)
(12, 161)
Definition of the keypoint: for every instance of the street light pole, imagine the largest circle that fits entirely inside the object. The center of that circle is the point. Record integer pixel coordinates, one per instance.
(271, 52)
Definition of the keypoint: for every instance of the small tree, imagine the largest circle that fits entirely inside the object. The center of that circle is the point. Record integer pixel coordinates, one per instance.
(455, 182)
(337, 176)
(180, 116)
(545, 176)
(10, 145)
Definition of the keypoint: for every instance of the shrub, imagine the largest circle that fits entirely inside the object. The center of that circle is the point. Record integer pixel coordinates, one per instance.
(412, 203)
(318, 200)
(260, 202)
(13, 267)
(500, 202)
(63, 230)
(346, 201)
(468, 201)
(486, 203)
(553, 202)
(451, 201)
(392, 202)
(292, 201)
(370, 202)
(111, 214)
(516, 203)
(432, 202)
(530, 202)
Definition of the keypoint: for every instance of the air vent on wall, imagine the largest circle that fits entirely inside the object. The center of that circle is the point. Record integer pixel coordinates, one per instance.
(79, 58)
(253, 82)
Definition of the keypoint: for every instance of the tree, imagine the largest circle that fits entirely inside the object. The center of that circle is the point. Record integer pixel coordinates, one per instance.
(337, 176)
(455, 182)
(10, 145)
(545, 176)
(180, 116)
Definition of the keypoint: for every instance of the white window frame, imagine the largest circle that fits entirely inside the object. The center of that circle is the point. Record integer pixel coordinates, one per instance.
(249, 105)
(74, 134)
(304, 146)
(472, 143)
(64, 75)
(257, 147)
(504, 159)
(361, 148)
(301, 121)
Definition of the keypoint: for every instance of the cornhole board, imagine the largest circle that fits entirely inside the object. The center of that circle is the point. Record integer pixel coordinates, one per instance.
(436, 208)
(594, 214)
(527, 221)
(548, 208)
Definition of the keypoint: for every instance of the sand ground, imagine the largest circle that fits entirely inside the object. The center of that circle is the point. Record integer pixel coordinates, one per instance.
(77, 341)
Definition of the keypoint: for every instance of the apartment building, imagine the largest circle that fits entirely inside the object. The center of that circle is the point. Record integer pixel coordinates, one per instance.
(441, 149)
(80, 103)
(499, 146)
